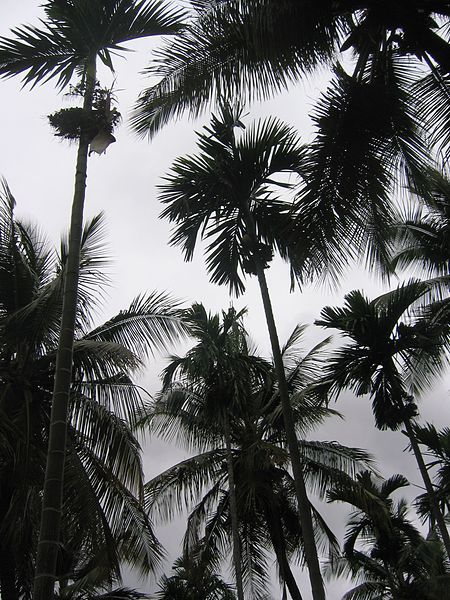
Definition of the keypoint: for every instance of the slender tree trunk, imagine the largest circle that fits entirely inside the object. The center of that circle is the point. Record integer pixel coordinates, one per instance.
(435, 510)
(276, 536)
(305, 516)
(44, 582)
(234, 515)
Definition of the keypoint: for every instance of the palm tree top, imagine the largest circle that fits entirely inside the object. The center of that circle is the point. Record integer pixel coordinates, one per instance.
(211, 194)
(392, 351)
(76, 30)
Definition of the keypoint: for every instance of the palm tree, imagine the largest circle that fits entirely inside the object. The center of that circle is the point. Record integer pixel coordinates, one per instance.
(229, 194)
(74, 35)
(265, 492)
(370, 130)
(219, 370)
(103, 521)
(383, 550)
(193, 579)
(391, 360)
(253, 50)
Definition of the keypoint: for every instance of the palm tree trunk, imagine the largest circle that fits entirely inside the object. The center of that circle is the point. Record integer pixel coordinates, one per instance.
(304, 510)
(54, 475)
(435, 510)
(276, 536)
(233, 512)
(305, 516)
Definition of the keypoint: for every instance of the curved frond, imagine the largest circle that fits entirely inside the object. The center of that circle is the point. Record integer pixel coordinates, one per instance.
(75, 30)
(182, 484)
(220, 53)
(151, 323)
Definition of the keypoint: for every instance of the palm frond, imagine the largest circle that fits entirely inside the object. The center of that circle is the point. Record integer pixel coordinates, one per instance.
(179, 416)
(182, 484)
(220, 53)
(254, 561)
(93, 259)
(328, 463)
(74, 31)
(151, 323)
(365, 132)
(110, 439)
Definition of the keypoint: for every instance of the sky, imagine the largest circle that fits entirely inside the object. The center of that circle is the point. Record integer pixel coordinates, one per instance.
(39, 169)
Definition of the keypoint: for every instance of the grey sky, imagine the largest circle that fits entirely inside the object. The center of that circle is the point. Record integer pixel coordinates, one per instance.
(40, 169)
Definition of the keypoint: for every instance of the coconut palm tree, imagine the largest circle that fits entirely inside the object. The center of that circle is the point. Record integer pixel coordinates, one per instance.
(230, 195)
(193, 579)
(393, 359)
(103, 521)
(383, 550)
(219, 371)
(71, 39)
(265, 492)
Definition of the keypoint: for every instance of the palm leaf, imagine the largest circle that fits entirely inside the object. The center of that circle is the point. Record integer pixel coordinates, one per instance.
(76, 30)
(150, 324)
(220, 52)
(182, 484)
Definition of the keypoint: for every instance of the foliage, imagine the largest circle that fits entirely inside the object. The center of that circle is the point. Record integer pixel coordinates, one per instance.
(254, 50)
(104, 522)
(266, 501)
(76, 29)
(391, 355)
(193, 579)
(383, 551)
(207, 195)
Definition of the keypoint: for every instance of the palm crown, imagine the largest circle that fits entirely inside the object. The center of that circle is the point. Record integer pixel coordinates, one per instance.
(386, 357)
(76, 30)
(383, 549)
(208, 195)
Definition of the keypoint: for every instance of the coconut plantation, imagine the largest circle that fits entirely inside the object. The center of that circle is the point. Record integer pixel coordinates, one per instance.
(225, 300)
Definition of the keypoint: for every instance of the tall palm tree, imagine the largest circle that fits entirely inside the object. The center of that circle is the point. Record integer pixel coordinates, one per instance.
(219, 371)
(383, 550)
(265, 493)
(103, 521)
(74, 34)
(391, 360)
(230, 195)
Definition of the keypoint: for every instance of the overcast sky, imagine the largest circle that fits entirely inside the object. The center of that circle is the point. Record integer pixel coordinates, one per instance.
(40, 170)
